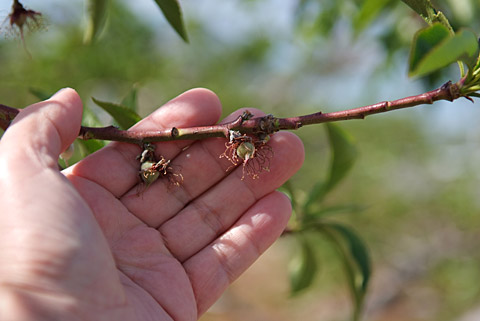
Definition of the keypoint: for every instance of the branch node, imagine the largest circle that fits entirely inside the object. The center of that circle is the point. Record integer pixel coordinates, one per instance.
(268, 124)
(452, 90)
(247, 115)
(174, 132)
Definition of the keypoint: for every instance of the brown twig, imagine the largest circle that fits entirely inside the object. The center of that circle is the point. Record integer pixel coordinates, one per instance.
(260, 125)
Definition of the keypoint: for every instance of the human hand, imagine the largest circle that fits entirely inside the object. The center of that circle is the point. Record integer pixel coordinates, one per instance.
(85, 245)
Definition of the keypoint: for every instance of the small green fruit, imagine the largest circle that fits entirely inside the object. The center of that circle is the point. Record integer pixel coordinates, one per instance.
(148, 173)
(246, 150)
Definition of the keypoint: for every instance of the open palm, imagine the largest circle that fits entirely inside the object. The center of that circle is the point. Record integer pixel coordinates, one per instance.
(87, 245)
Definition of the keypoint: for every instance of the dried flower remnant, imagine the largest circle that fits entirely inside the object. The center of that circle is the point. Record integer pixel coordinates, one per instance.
(252, 152)
(21, 18)
(152, 168)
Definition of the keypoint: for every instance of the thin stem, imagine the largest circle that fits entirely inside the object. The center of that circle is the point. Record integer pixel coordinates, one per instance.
(448, 92)
(260, 125)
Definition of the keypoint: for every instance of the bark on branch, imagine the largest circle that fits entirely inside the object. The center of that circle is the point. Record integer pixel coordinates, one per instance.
(260, 125)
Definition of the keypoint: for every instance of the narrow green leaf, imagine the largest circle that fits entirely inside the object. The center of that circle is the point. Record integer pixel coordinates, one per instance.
(358, 252)
(130, 100)
(334, 210)
(423, 7)
(355, 260)
(303, 267)
(97, 14)
(173, 13)
(39, 93)
(344, 154)
(124, 116)
(288, 188)
(369, 11)
(316, 195)
(463, 46)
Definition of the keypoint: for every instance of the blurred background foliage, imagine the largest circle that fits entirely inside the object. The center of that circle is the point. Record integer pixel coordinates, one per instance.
(416, 176)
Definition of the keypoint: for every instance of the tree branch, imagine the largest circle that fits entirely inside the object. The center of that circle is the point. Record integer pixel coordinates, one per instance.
(260, 125)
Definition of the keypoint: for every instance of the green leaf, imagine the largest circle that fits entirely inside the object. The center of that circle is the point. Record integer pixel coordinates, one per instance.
(288, 189)
(40, 94)
(334, 210)
(91, 145)
(423, 7)
(303, 267)
(124, 116)
(355, 259)
(343, 157)
(434, 49)
(369, 11)
(97, 16)
(173, 13)
(424, 41)
(130, 100)
(344, 154)
(426, 10)
(358, 252)
(316, 195)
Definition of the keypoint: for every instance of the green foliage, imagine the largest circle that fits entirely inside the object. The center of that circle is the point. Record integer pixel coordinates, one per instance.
(92, 145)
(97, 11)
(303, 266)
(435, 48)
(326, 211)
(426, 10)
(343, 154)
(123, 115)
(40, 94)
(314, 217)
(368, 12)
(173, 14)
(357, 252)
(425, 40)
(97, 15)
(423, 7)
(130, 99)
(355, 260)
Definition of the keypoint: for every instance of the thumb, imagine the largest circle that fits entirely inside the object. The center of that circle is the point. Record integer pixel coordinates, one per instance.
(43, 130)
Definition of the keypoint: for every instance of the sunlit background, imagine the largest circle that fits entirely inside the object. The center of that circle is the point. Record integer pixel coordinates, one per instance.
(417, 176)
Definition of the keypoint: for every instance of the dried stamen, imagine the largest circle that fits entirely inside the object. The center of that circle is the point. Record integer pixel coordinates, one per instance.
(152, 169)
(252, 152)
